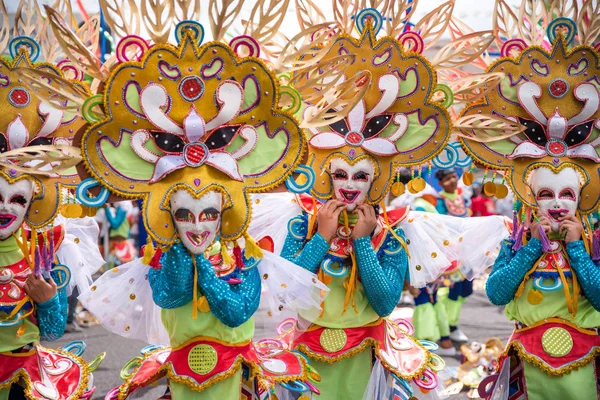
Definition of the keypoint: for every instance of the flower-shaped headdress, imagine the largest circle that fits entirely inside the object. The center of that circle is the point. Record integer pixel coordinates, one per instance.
(36, 127)
(390, 107)
(550, 87)
(193, 117)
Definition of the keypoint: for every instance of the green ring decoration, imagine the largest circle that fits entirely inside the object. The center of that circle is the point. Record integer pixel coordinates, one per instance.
(87, 107)
(449, 100)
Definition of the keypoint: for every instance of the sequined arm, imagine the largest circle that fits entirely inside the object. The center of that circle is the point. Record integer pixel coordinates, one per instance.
(173, 284)
(588, 272)
(508, 273)
(52, 315)
(231, 304)
(382, 274)
(310, 255)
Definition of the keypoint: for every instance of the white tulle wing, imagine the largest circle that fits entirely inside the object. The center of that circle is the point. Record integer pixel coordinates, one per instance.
(79, 251)
(287, 290)
(436, 240)
(121, 300)
(271, 213)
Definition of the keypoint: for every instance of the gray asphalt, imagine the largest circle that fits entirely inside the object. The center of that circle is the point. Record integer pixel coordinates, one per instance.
(480, 321)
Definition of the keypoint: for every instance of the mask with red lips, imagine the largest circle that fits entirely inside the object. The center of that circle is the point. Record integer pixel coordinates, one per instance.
(197, 220)
(556, 193)
(351, 183)
(15, 199)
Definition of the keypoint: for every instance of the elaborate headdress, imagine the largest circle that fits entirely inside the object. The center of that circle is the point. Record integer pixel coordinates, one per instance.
(193, 117)
(550, 92)
(390, 108)
(37, 127)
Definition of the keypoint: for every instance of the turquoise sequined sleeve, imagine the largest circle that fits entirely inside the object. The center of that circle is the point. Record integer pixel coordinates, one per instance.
(173, 284)
(52, 315)
(308, 255)
(587, 271)
(382, 273)
(231, 304)
(509, 272)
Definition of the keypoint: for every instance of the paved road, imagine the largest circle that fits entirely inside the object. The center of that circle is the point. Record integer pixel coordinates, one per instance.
(480, 321)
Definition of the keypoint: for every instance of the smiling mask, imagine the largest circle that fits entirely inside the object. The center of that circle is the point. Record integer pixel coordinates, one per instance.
(556, 193)
(15, 199)
(351, 183)
(197, 220)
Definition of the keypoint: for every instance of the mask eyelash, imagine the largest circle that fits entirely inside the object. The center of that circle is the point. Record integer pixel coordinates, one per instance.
(18, 199)
(209, 214)
(543, 196)
(361, 176)
(340, 175)
(184, 215)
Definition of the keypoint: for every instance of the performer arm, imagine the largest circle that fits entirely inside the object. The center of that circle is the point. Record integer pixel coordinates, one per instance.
(382, 274)
(173, 283)
(52, 314)
(231, 304)
(510, 270)
(586, 270)
(307, 255)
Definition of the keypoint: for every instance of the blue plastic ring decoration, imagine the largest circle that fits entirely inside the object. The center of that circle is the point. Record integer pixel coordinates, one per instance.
(32, 45)
(296, 188)
(302, 355)
(461, 162)
(249, 263)
(193, 26)
(373, 14)
(16, 320)
(76, 347)
(404, 384)
(429, 345)
(539, 284)
(338, 273)
(58, 268)
(451, 155)
(150, 348)
(292, 228)
(87, 200)
(295, 386)
(559, 22)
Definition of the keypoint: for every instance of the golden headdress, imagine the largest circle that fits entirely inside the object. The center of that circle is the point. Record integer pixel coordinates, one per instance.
(550, 89)
(390, 107)
(37, 128)
(193, 117)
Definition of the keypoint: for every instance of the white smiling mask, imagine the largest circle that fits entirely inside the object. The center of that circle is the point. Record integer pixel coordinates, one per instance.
(351, 183)
(556, 193)
(197, 220)
(15, 199)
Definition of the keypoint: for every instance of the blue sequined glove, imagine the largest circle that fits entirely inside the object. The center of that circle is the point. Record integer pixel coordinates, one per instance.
(382, 274)
(508, 272)
(307, 255)
(52, 314)
(173, 284)
(586, 270)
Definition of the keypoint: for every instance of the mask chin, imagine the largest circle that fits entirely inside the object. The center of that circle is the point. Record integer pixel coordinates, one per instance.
(556, 193)
(351, 183)
(15, 200)
(197, 220)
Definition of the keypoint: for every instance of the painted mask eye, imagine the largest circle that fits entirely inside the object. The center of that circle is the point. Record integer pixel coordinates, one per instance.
(545, 194)
(360, 176)
(167, 142)
(376, 125)
(579, 133)
(184, 215)
(18, 199)
(567, 194)
(222, 136)
(340, 175)
(534, 131)
(209, 214)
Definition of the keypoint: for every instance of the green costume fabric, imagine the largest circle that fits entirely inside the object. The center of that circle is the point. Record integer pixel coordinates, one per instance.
(430, 321)
(223, 390)
(452, 307)
(354, 372)
(575, 385)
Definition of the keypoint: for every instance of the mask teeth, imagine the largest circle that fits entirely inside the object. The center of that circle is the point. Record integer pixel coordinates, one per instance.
(546, 246)
(595, 247)
(513, 235)
(519, 239)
